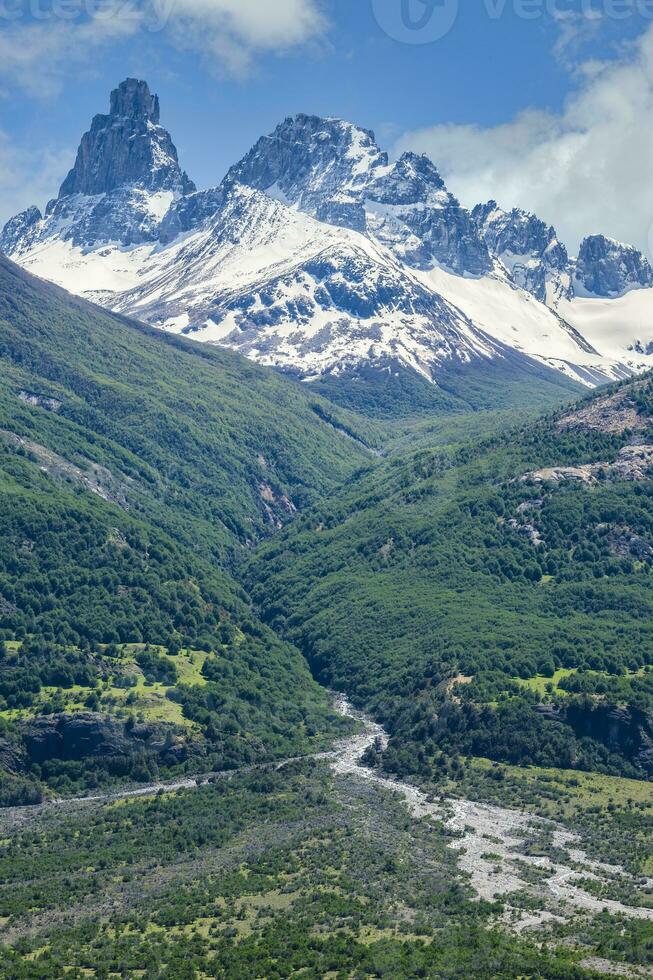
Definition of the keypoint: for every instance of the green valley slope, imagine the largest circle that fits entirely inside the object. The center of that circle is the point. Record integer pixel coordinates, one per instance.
(133, 467)
(203, 442)
(492, 601)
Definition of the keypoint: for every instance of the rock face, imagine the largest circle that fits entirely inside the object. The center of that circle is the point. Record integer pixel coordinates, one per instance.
(411, 211)
(626, 732)
(129, 215)
(413, 179)
(91, 736)
(19, 230)
(125, 179)
(190, 212)
(336, 172)
(528, 248)
(633, 463)
(127, 147)
(609, 268)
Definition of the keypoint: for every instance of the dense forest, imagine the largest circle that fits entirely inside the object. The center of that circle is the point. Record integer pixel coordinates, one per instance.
(133, 467)
(491, 600)
(478, 604)
(199, 441)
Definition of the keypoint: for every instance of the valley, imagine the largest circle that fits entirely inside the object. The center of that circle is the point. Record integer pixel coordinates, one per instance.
(165, 683)
(229, 894)
(326, 557)
(498, 873)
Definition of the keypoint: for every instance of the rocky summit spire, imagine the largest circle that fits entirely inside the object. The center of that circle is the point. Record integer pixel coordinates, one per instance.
(133, 100)
(608, 268)
(127, 147)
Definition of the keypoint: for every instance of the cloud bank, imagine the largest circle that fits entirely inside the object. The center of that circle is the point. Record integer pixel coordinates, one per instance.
(235, 30)
(38, 54)
(587, 170)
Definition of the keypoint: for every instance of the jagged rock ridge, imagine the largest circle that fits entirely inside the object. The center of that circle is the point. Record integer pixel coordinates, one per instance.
(609, 268)
(336, 172)
(530, 250)
(317, 253)
(127, 147)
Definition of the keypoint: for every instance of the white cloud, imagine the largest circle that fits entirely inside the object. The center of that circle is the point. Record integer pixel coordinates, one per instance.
(231, 32)
(36, 55)
(256, 24)
(28, 177)
(586, 170)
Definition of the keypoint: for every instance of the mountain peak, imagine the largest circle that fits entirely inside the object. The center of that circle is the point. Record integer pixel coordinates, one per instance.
(528, 248)
(609, 268)
(133, 100)
(413, 179)
(308, 160)
(127, 147)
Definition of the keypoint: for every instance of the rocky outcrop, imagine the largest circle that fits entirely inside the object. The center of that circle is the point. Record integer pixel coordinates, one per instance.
(127, 147)
(627, 732)
(615, 414)
(433, 233)
(12, 753)
(413, 179)
(609, 268)
(410, 210)
(78, 737)
(36, 400)
(129, 216)
(18, 232)
(632, 463)
(95, 478)
(529, 250)
(626, 543)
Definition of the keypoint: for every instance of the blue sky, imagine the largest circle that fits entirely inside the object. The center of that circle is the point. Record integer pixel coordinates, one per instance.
(494, 101)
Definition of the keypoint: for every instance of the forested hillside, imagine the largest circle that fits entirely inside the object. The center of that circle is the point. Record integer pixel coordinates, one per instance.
(202, 442)
(132, 468)
(492, 601)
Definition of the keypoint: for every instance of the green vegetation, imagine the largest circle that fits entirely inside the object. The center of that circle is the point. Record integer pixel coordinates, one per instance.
(454, 562)
(342, 883)
(79, 577)
(181, 535)
(506, 383)
(133, 466)
(197, 440)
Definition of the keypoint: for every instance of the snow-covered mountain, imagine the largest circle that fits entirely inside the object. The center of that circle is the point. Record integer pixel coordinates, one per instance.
(529, 250)
(318, 255)
(610, 269)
